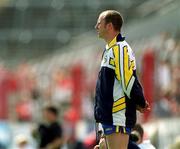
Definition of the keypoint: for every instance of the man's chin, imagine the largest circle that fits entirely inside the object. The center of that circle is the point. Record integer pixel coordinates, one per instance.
(100, 36)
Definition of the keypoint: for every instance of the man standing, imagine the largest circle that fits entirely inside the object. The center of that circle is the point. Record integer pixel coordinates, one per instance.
(118, 91)
(50, 133)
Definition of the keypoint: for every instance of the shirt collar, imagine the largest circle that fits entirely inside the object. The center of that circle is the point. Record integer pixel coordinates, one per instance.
(115, 40)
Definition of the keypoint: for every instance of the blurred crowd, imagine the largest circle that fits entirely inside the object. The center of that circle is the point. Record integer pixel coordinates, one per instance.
(25, 91)
(167, 78)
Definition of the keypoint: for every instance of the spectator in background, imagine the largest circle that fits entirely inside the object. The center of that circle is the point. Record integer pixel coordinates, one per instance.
(137, 137)
(50, 133)
(22, 142)
(166, 106)
(176, 144)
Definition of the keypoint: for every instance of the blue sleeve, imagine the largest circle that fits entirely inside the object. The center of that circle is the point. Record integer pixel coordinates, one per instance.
(137, 93)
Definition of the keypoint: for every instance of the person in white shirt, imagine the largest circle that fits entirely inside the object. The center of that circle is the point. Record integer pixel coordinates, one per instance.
(22, 142)
(146, 144)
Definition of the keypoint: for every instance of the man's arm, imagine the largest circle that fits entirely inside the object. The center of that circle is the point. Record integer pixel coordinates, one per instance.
(56, 131)
(55, 144)
(124, 69)
(137, 94)
(127, 75)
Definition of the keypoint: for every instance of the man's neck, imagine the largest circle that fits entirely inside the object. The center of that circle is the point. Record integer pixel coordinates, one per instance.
(111, 37)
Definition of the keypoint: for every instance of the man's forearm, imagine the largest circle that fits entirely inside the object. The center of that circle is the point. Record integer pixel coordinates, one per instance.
(55, 144)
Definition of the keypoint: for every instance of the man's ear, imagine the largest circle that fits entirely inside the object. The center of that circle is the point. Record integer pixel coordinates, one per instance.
(110, 26)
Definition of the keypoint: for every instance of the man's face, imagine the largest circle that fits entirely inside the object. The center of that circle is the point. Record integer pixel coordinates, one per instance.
(101, 27)
(48, 116)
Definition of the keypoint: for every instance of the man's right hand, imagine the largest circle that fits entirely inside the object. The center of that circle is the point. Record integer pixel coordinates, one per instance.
(102, 144)
(145, 109)
(96, 147)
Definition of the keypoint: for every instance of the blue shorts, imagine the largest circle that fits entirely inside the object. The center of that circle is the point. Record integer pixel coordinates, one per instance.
(109, 129)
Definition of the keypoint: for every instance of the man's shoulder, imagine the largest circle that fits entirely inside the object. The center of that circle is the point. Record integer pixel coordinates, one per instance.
(122, 44)
(55, 127)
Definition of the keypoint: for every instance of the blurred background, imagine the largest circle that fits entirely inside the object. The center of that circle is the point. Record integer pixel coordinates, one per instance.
(50, 54)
